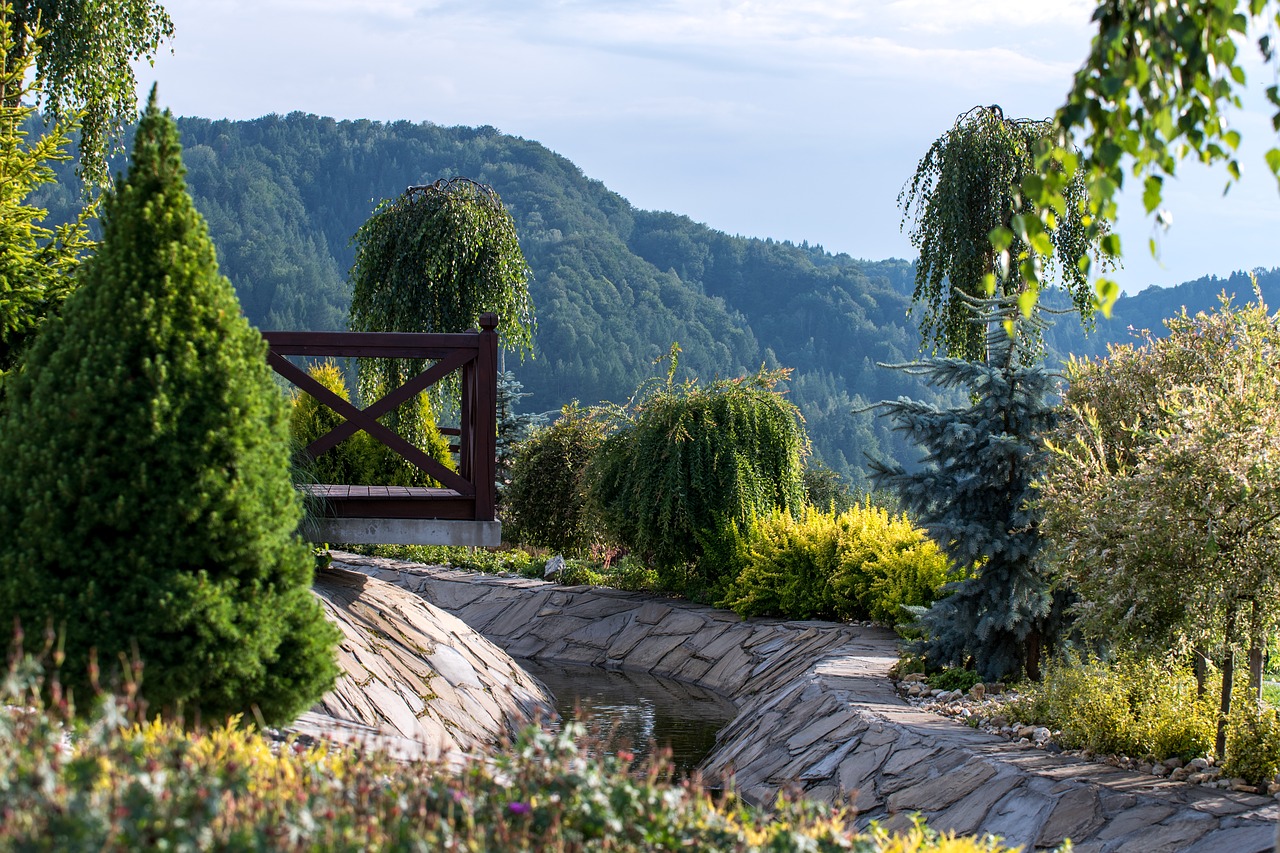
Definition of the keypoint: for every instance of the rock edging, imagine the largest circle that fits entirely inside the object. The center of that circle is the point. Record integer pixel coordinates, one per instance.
(817, 711)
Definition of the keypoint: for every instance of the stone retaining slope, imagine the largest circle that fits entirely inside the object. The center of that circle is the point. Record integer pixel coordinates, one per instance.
(816, 711)
(414, 679)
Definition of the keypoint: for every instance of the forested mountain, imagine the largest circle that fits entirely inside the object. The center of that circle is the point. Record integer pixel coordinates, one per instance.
(613, 286)
(1149, 309)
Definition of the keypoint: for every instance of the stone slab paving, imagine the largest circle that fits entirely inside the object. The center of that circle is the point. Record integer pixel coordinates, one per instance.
(414, 679)
(817, 713)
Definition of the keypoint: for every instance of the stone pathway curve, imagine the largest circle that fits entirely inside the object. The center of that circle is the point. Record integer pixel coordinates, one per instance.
(817, 711)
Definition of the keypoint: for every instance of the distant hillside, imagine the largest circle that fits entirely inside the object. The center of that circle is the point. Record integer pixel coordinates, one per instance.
(613, 286)
(1151, 307)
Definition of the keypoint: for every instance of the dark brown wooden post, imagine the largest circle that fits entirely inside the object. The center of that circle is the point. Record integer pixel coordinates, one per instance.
(486, 417)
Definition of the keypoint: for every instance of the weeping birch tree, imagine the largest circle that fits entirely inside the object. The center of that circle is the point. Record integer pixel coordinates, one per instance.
(433, 260)
(961, 204)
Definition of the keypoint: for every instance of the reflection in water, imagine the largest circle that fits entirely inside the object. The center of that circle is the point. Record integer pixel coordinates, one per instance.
(640, 710)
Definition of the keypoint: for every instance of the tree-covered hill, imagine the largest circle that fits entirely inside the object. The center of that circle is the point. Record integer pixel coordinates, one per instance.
(613, 286)
(1149, 309)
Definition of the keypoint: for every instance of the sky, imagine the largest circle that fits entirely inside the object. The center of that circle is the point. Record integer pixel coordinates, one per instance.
(796, 120)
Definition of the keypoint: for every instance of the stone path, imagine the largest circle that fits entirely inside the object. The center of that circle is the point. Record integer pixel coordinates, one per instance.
(817, 712)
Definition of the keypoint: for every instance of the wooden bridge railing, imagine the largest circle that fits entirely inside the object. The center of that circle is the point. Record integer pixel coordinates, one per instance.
(464, 495)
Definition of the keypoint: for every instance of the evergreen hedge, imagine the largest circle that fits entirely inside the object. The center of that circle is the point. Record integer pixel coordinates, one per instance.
(145, 491)
(546, 502)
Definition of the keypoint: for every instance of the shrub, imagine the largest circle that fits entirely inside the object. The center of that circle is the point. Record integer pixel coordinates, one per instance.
(861, 563)
(1253, 744)
(545, 504)
(116, 787)
(954, 679)
(309, 419)
(689, 465)
(362, 460)
(787, 566)
(145, 490)
(886, 564)
(1134, 706)
(825, 488)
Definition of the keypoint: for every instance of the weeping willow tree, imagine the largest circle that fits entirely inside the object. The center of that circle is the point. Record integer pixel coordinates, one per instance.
(961, 207)
(689, 466)
(433, 260)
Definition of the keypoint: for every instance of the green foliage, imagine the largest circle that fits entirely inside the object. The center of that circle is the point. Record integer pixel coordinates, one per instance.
(964, 190)
(433, 260)
(954, 679)
(1159, 84)
(1133, 706)
(1253, 744)
(546, 503)
(786, 567)
(513, 427)
(688, 465)
(115, 785)
(625, 573)
(144, 474)
(975, 499)
(858, 564)
(37, 262)
(437, 257)
(489, 561)
(361, 459)
(1163, 496)
(85, 53)
(825, 488)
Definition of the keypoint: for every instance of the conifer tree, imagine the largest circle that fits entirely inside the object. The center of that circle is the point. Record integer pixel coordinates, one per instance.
(974, 497)
(145, 492)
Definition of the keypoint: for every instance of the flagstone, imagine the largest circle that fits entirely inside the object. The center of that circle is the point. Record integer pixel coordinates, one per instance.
(814, 707)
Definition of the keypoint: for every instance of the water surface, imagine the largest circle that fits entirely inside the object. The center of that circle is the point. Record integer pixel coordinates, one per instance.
(641, 711)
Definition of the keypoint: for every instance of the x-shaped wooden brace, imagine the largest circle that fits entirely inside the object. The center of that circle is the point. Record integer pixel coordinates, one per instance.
(367, 419)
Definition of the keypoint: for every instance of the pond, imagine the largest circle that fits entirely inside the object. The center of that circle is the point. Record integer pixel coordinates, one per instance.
(642, 711)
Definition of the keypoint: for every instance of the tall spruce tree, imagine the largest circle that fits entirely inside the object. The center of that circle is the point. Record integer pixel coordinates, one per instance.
(145, 492)
(974, 497)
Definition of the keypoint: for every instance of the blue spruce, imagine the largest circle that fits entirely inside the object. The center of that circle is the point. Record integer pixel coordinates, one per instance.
(975, 496)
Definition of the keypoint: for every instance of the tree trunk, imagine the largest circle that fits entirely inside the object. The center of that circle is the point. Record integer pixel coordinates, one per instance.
(1256, 644)
(1034, 645)
(1200, 664)
(1228, 676)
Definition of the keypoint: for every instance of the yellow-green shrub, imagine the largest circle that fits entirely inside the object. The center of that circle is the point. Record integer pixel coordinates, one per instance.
(1253, 743)
(362, 460)
(1132, 706)
(860, 563)
(886, 562)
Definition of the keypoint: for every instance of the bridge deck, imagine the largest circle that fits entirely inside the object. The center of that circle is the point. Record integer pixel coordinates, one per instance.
(390, 502)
